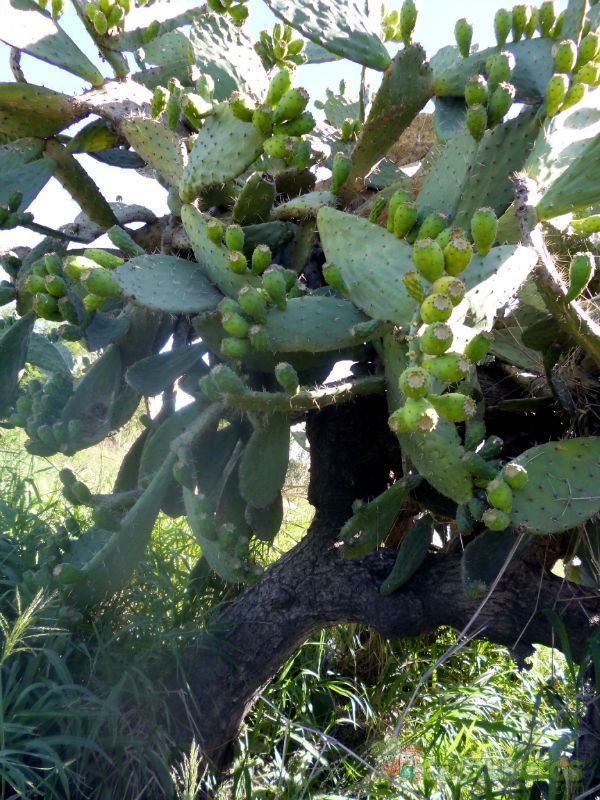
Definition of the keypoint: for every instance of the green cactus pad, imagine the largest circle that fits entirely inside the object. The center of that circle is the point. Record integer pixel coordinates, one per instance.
(167, 283)
(47, 356)
(223, 149)
(266, 522)
(484, 557)
(152, 375)
(444, 183)
(304, 207)
(14, 343)
(411, 554)
(28, 179)
(264, 462)
(28, 110)
(563, 487)
(372, 263)
(160, 147)
(343, 28)
(577, 187)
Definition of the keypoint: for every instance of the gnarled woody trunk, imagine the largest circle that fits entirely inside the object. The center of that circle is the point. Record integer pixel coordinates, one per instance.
(311, 587)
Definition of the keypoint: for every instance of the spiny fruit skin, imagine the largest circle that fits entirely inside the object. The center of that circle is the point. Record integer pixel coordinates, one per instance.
(235, 348)
(520, 19)
(478, 348)
(416, 415)
(484, 228)
(476, 92)
(108, 260)
(565, 56)
(428, 258)
(414, 287)
(589, 48)
(556, 91)
(444, 237)
(457, 256)
(297, 127)
(586, 226)
(499, 67)
(215, 231)
(502, 25)
(499, 495)
(274, 284)
(477, 120)
(291, 104)
(450, 368)
(432, 225)
(279, 146)
(588, 74)
(453, 406)
(405, 217)
(234, 237)
(253, 303)
(515, 476)
(436, 307)
(575, 94)
(229, 306)
(580, 274)
(100, 281)
(235, 325)
(396, 200)
(280, 83)
(262, 119)
(415, 382)
(546, 18)
(237, 262)
(55, 285)
(340, 171)
(53, 263)
(261, 258)
(495, 520)
(378, 207)
(453, 287)
(436, 339)
(500, 102)
(287, 377)
(463, 31)
(93, 302)
(408, 20)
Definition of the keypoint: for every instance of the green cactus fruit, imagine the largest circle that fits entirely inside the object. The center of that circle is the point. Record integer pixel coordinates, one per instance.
(280, 83)
(234, 348)
(428, 258)
(580, 274)
(93, 302)
(396, 421)
(259, 338)
(253, 304)
(495, 520)
(209, 389)
(476, 91)
(478, 348)
(450, 368)
(242, 111)
(588, 74)
(396, 200)
(499, 495)
(436, 308)
(100, 22)
(477, 120)
(577, 91)
(502, 25)
(262, 119)
(457, 256)
(565, 55)
(194, 109)
(45, 306)
(237, 262)
(556, 91)
(499, 67)
(279, 146)
(76, 266)
(347, 129)
(501, 99)
(491, 448)
(413, 286)
(333, 276)
(419, 415)
(287, 377)
(520, 19)
(291, 104)
(151, 31)
(463, 33)
(559, 25)
(379, 205)
(234, 237)
(115, 17)
(55, 285)
(450, 286)
(173, 110)
(104, 259)
(547, 17)
(274, 283)
(340, 171)
(300, 159)
(158, 105)
(229, 306)
(67, 311)
(405, 216)
(101, 282)
(408, 20)
(53, 264)
(453, 406)
(34, 283)
(532, 23)
(515, 476)
(474, 433)
(39, 268)
(215, 230)
(261, 258)
(479, 468)
(432, 225)
(588, 50)
(235, 325)
(303, 124)
(586, 226)
(484, 229)
(446, 235)
(415, 382)
(436, 339)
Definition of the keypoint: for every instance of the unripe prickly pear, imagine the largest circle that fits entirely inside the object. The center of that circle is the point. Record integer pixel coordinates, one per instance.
(100, 281)
(580, 274)
(121, 239)
(378, 206)
(237, 262)
(463, 32)
(432, 225)
(450, 368)
(577, 91)
(235, 325)
(565, 56)
(235, 348)
(67, 311)
(556, 91)
(515, 476)
(436, 339)
(297, 127)
(278, 86)
(484, 228)
(258, 338)
(428, 258)
(300, 155)
(45, 306)
(229, 306)
(261, 258)
(520, 18)
(415, 382)
(104, 259)
(287, 377)
(76, 266)
(408, 20)
(500, 102)
(53, 264)
(453, 406)
(499, 67)
(477, 120)
(405, 217)
(495, 520)
(588, 74)
(478, 348)
(436, 308)
(93, 302)
(274, 284)
(547, 17)
(100, 23)
(502, 25)
(279, 146)
(446, 235)
(340, 171)
(588, 50)
(173, 110)
(479, 468)
(414, 287)
(34, 283)
(333, 276)
(215, 231)
(234, 237)
(419, 415)
(474, 433)
(532, 24)
(396, 200)
(242, 111)
(262, 119)
(291, 104)
(476, 92)
(55, 285)
(499, 495)
(453, 287)
(457, 256)
(253, 303)
(151, 31)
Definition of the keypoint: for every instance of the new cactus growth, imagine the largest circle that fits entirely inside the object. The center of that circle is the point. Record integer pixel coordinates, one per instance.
(502, 25)
(463, 32)
(291, 104)
(408, 20)
(520, 19)
(287, 377)
(396, 200)
(547, 17)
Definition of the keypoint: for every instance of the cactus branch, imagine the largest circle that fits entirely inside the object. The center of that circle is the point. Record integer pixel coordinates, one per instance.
(116, 60)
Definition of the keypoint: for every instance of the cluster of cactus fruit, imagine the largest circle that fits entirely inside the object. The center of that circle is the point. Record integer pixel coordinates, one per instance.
(405, 277)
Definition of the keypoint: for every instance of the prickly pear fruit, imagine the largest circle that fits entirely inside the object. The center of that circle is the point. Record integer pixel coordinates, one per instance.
(495, 520)
(234, 237)
(565, 56)
(340, 171)
(262, 119)
(559, 25)
(278, 86)
(227, 380)
(453, 287)
(279, 146)
(297, 127)
(234, 348)
(100, 281)
(502, 25)
(556, 91)
(287, 377)
(93, 302)
(235, 325)
(414, 287)
(457, 256)
(419, 415)
(520, 19)
(477, 120)
(237, 262)
(76, 266)
(588, 74)
(547, 17)
(474, 434)
(396, 200)
(436, 308)
(588, 50)
(428, 258)
(463, 32)
(575, 94)
(261, 258)
(586, 226)
(453, 406)
(242, 111)
(274, 284)
(476, 92)
(450, 368)
(215, 230)
(500, 102)
(45, 306)
(415, 382)
(333, 276)
(55, 285)
(300, 155)
(515, 476)
(405, 217)
(104, 259)
(479, 467)
(499, 495)
(484, 228)
(532, 23)
(491, 448)
(291, 104)
(253, 303)
(53, 264)
(229, 306)
(121, 239)
(408, 20)
(580, 274)
(436, 339)
(499, 67)
(67, 311)
(377, 210)
(432, 225)
(478, 348)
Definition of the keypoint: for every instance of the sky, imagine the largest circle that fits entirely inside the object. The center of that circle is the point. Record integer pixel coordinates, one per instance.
(54, 206)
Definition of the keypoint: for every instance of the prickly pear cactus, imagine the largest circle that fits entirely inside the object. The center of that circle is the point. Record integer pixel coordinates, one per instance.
(442, 288)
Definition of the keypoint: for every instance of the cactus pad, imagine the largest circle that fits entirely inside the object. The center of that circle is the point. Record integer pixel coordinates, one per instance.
(411, 554)
(160, 147)
(264, 462)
